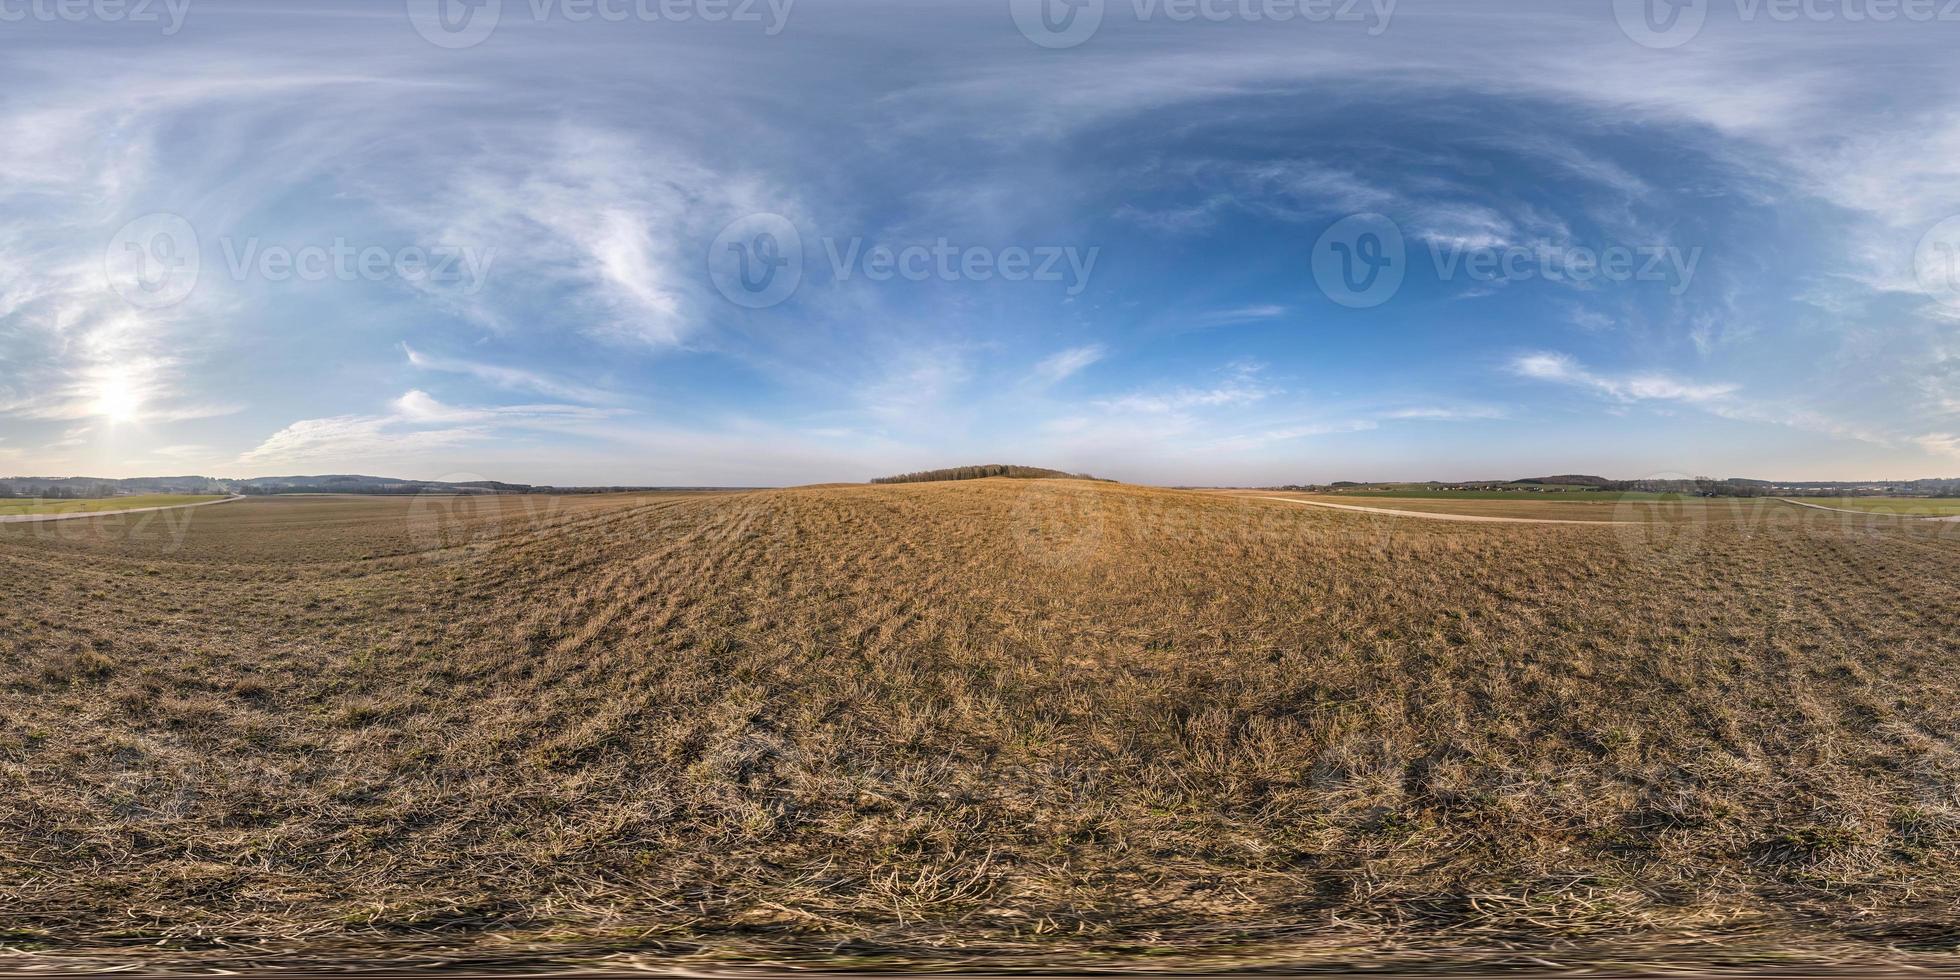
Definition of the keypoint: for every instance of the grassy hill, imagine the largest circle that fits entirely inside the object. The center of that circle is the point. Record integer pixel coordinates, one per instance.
(1570, 479)
(989, 724)
(981, 473)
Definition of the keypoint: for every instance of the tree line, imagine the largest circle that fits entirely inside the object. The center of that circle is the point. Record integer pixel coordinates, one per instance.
(983, 472)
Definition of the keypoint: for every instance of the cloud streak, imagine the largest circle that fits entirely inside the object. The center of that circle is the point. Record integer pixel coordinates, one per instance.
(417, 423)
(1626, 388)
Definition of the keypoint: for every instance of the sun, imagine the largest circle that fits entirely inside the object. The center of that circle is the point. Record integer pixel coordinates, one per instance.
(117, 398)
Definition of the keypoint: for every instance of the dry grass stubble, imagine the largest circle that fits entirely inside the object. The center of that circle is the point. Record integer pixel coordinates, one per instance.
(991, 722)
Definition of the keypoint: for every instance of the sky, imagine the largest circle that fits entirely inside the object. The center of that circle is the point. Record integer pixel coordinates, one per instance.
(757, 242)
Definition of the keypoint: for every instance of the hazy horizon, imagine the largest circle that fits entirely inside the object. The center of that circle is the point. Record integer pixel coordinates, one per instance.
(865, 479)
(820, 243)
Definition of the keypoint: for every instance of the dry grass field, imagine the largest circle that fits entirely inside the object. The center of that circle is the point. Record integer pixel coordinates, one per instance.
(993, 723)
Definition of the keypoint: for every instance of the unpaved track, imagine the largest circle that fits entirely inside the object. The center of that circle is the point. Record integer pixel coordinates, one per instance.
(1873, 513)
(1464, 518)
(79, 515)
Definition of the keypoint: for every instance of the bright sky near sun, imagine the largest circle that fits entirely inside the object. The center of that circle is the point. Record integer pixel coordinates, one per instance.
(733, 242)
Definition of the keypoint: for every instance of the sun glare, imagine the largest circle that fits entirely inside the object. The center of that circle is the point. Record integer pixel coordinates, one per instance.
(117, 399)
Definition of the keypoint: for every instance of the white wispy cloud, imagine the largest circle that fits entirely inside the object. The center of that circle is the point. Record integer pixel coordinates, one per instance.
(1646, 386)
(1243, 314)
(185, 452)
(1242, 386)
(418, 423)
(1589, 320)
(913, 384)
(1724, 401)
(1291, 433)
(353, 437)
(1940, 444)
(1064, 364)
(1435, 413)
(515, 379)
(601, 217)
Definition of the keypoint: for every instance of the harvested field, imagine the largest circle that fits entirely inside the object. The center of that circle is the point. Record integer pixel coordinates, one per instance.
(988, 723)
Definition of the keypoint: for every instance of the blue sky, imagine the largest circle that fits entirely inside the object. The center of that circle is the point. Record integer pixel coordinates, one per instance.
(525, 250)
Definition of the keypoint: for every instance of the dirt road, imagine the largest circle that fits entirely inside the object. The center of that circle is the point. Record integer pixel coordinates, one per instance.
(1464, 518)
(1873, 513)
(79, 515)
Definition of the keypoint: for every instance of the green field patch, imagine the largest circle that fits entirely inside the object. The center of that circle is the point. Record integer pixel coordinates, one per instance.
(11, 508)
(1567, 496)
(1917, 506)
